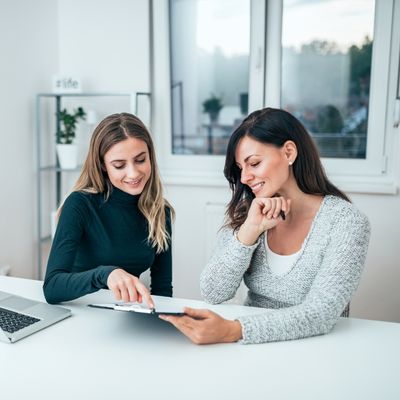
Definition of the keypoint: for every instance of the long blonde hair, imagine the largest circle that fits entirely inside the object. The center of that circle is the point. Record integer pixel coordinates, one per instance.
(93, 179)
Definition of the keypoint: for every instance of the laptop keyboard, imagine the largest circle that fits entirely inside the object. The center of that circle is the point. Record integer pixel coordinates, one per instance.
(11, 321)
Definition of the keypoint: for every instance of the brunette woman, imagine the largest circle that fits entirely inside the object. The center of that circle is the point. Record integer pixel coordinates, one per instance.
(295, 239)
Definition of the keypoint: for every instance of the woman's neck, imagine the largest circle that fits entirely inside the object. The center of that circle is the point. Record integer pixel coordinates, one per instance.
(302, 205)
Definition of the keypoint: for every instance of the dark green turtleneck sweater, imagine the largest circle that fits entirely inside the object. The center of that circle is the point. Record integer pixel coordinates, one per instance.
(95, 236)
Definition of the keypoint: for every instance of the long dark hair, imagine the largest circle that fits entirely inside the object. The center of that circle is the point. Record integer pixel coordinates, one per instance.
(275, 126)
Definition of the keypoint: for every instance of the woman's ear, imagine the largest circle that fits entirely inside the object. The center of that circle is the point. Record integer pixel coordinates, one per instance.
(290, 150)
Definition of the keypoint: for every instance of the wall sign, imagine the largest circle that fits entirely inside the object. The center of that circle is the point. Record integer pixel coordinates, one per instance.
(66, 84)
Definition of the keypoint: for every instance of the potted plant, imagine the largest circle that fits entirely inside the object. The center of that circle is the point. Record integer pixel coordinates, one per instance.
(212, 107)
(66, 148)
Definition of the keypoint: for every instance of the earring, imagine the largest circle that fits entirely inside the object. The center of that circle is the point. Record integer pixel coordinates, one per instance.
(290, 162)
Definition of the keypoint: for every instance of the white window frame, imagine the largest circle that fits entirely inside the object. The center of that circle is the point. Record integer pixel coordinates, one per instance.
(195, 169)
(375, 174)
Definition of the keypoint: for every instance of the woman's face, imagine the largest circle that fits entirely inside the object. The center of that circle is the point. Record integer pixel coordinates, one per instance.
(128, 165)
(264, 167)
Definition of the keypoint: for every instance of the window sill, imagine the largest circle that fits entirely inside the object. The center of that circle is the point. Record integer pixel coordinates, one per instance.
(349, 184)
(193, 178)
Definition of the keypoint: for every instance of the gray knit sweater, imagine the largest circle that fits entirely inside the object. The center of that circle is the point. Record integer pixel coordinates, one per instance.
(308, 299)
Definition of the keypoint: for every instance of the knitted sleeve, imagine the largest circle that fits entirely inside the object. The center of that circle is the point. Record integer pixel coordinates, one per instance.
(224, 272)
(330, 292)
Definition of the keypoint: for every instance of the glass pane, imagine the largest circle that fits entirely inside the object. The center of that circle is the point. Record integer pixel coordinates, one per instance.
(210, 45)
(326, 68)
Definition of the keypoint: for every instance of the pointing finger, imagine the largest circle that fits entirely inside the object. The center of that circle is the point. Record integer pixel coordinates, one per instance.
(145, 294)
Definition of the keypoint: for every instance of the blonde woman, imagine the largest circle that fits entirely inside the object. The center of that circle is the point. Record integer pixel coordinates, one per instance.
(115, 224)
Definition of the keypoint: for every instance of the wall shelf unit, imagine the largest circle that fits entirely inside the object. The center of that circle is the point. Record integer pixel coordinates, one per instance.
(50, 173)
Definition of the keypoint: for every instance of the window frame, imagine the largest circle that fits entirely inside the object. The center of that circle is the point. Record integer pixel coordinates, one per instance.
(198, 169)
(375, 174)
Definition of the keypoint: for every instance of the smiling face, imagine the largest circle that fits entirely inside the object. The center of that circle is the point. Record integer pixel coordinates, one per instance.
(264, 167)
(128, 165)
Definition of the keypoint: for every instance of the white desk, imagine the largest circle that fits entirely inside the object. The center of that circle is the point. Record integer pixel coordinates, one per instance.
(101, 354)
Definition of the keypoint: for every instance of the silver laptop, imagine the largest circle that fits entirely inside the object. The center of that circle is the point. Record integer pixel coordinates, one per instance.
(20, 317)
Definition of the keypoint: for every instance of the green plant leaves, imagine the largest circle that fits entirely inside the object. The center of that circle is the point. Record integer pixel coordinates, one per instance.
(66, 134)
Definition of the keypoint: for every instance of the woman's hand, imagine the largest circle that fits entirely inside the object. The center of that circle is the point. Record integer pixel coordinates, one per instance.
(264, 213)
(128, 288)
(205, 326)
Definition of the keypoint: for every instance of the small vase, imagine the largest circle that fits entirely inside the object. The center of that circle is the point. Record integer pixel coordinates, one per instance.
(67, 156)
(214, 115)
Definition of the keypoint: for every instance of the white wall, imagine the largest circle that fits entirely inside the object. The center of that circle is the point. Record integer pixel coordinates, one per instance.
(106, 43)
(378, 294)
(28, 51)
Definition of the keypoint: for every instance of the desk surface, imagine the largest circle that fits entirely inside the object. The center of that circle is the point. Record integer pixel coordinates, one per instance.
(102, 354)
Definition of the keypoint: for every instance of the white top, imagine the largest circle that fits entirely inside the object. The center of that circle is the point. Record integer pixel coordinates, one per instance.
(280, 264)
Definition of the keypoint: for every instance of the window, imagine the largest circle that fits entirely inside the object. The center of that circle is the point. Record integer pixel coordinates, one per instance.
(332, 63)
(210, 46)
(326, 71)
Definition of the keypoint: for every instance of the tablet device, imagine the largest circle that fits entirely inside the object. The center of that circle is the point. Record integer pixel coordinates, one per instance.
(140, 308)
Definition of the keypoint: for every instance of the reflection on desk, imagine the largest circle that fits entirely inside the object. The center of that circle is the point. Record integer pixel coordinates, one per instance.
(103, 354)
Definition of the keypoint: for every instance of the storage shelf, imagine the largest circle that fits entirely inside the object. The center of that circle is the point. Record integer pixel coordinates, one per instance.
(105, 94)
(55, 168)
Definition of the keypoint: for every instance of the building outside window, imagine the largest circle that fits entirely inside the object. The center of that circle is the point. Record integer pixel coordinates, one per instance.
(326, 71)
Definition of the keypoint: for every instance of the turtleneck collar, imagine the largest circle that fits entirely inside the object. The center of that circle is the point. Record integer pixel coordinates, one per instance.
(118, 196)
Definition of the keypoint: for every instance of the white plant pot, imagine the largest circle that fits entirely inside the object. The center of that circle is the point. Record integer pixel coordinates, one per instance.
(67, 156)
